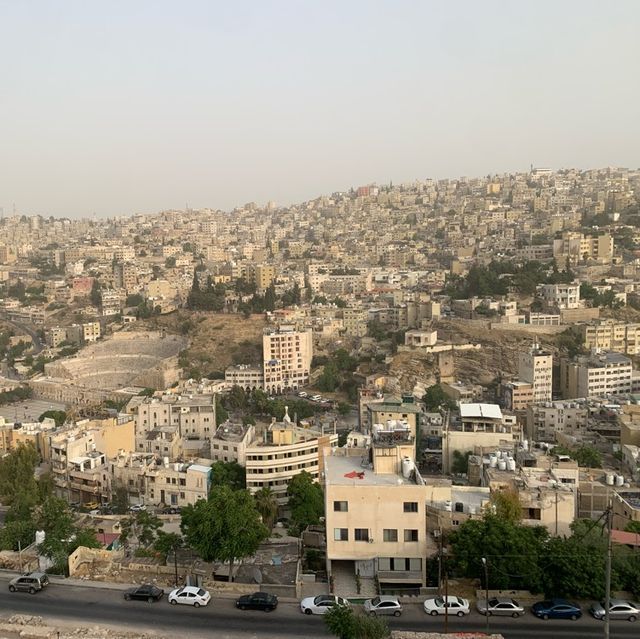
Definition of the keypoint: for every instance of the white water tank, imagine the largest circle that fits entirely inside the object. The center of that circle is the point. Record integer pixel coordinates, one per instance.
(619, 480)
(407, 467)
(493, 461)
(609, 479)
(511, 463)
(448, 506)
(525, 444)
(502, 464)
(40, 536)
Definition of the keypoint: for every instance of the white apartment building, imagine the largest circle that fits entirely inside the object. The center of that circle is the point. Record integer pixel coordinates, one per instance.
(287, 355)
(230, 442)
(610, 335)
(535, 367)
(561, 296)
(596, 375)
(546, 419)
(285, 451)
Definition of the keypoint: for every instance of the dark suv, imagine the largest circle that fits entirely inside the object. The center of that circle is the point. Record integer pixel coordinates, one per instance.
(31, 582)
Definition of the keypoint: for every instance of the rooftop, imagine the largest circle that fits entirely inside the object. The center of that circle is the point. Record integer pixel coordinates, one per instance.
(487, 411)
(349, 471)
(231, 432)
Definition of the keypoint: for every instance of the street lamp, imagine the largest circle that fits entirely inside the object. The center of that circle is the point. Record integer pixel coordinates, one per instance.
(486, 590)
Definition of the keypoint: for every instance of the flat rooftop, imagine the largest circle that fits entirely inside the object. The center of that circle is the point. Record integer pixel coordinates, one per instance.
(486, 411)
(348, 471)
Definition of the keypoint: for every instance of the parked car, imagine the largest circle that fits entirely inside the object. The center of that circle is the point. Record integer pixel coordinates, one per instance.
(321, 604)
(618, 609)
(257, 601)
(454, 605)
(189, 595)
(137, 508)
(91, 505)
(146, 592)
(170, 510)
(500, 606)
(316, 398)
(30, 582)
(556, 609)
(383, 606)
(302, 394)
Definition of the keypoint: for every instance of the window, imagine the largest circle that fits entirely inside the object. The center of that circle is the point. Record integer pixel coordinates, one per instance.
(361, 534)
(341, 534)
(340, 506)
(410, 506)
(410, 534)
(390, 534)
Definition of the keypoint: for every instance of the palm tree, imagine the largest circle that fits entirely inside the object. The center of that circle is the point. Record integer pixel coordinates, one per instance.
(267, 506)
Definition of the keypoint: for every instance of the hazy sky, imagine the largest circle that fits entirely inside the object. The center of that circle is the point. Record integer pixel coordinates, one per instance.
(136, 106)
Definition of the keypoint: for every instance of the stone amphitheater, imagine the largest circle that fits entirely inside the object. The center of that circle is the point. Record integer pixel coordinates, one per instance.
(143, 359)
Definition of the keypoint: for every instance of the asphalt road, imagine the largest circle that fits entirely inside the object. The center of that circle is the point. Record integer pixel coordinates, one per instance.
(90, 606)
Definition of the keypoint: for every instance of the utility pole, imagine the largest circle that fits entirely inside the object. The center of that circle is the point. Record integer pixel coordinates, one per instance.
(446, 602)
(607, 581)
(486, 591)
(556, 491)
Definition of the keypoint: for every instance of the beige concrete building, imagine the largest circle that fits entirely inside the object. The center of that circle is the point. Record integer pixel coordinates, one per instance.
(596, 375)
(354, 321)
(535, 367)
(393, 411)
(287, 355)
(481, 428)
(285, 451)
(246, 376)
(562, 296)
(578, 247)
(262, 275)
(610, 335)
(230, 442)
(376, 514)
(544, 421)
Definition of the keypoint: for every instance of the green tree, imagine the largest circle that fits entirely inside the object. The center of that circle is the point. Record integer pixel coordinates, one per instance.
(229, 474)
(224, 527)
(143, 525)
(267, 506)
(120, 500)
(18, 486)
(170, 262)
(167, 543)
(506, 505)
(435, 398)
(330, 378)
(306, 502)
(270, 298)
(59, 416)
(377, 331)
(221, 412)
(95, 296)
(344, 623)
(460, 463)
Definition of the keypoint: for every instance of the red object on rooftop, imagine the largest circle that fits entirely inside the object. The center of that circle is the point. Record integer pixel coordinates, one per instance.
(354, 474)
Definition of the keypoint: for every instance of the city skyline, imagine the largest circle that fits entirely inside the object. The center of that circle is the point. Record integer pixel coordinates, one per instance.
(127, 110)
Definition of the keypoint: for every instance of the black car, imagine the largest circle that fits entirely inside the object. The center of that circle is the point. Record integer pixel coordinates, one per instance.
(257, 601)
(146, 592)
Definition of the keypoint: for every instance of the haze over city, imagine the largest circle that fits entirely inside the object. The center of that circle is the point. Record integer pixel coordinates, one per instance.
(117, 108)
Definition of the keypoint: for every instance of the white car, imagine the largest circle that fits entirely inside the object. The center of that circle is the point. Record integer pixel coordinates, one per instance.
(137, 508)
(316, 398)
(321, 604)
(301, 394)
(190, 595)
(451, 604)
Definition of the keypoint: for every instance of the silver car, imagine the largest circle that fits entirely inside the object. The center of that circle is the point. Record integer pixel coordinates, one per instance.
(383, 606)
(503, 606)
(619, 609)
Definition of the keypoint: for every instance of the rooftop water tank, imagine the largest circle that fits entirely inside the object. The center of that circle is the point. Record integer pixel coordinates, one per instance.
(619, 480)
(502, 464)
(609, 478)
(407, 467)
(493, 461)
(511, 464)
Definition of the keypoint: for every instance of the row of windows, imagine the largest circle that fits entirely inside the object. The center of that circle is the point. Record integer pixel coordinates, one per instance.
(343, 506)
(298, 453)
(362, 534)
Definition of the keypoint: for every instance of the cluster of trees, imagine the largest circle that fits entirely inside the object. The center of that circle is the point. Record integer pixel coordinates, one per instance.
(33, 506)
(607, 298)
(527, 557)
(586, 456)
(257, 403)
(270, 300)
(208, 298)
(500, 275)
(306, 502)
(338, 373)
(15, 395)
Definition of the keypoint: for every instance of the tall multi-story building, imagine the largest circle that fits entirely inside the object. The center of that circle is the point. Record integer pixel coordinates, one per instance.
(596, 375)
(610, 335)
(577, 247)
(535, 367)
(287, 355)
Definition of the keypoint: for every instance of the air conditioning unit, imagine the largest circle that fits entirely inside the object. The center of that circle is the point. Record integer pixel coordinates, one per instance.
(370, 540)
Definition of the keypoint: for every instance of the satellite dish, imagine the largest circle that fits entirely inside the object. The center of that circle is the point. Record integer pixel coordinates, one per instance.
(257, 575)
